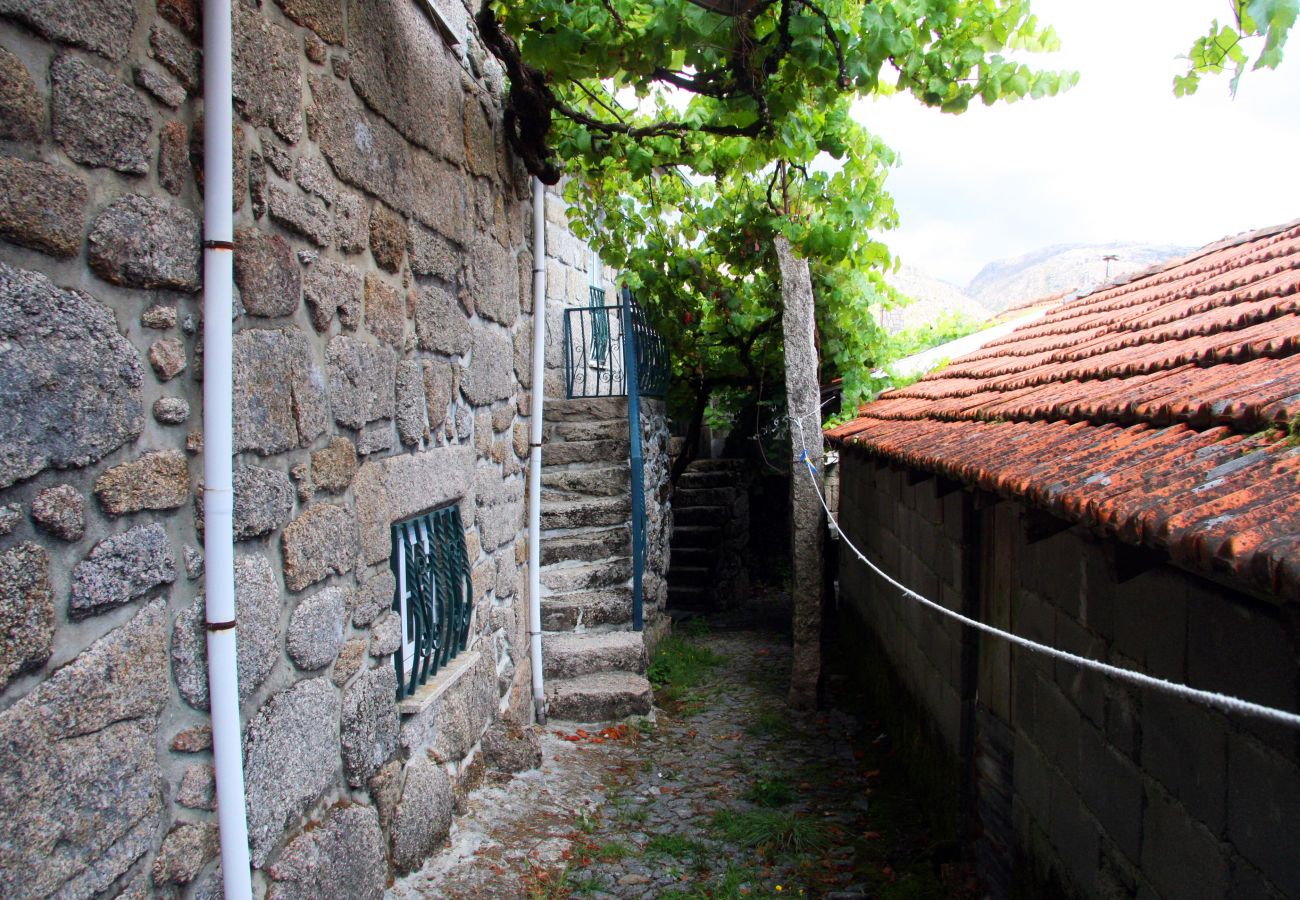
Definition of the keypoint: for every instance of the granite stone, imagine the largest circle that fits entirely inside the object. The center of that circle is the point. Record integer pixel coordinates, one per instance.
(291, 753)
(26, 611)
(95, 717)
(257, 609)
(331, 287)
(267, 77)
(440, 323)
(121, 568)
(385, 311)
(104, 27)
(344, 854)
(157, 480)
(279, 391)
(61, 511)
(315, 634)
(369, 724)
(144, 242)
(266, 273)
(320, 542)
(41, 206)
(96, 119)
(362, 379)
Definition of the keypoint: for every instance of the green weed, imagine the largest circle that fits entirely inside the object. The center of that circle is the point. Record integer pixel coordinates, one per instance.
(770, 829)
(770, 792)
(680, 665)
(675, 846)
(613, 851)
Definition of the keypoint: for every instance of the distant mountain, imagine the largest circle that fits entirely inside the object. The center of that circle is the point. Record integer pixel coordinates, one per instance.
(931, 298)
(1064, 267)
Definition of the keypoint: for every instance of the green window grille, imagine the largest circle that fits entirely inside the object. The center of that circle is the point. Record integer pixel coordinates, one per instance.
(599, 328)
(434, 597)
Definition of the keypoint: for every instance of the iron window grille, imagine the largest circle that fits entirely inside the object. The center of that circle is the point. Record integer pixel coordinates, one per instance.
(434, 597)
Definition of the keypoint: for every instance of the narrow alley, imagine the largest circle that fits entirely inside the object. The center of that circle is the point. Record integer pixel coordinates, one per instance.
(724, 792)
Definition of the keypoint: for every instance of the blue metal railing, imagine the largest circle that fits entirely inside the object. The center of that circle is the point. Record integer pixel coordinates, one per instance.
(611, 351)
(596, 353)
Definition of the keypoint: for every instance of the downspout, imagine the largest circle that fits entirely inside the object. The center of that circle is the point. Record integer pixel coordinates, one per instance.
(535, 451)
(218, 426)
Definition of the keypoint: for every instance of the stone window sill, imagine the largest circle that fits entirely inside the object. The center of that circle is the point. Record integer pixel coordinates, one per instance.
(428, 693)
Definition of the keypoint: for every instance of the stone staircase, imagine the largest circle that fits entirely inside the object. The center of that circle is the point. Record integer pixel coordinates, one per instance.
(593, 662)
(703, 503)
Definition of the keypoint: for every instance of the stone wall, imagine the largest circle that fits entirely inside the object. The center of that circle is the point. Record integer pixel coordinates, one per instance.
(383, 334)
(1074, 780)
(659, 518)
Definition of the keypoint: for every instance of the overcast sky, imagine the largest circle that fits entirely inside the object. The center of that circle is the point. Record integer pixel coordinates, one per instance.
(1115, 158)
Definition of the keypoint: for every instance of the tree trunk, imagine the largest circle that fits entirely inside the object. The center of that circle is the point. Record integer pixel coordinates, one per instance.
(803, 395)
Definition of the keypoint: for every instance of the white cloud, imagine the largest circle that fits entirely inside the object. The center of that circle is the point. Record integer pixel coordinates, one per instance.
(1116, 158)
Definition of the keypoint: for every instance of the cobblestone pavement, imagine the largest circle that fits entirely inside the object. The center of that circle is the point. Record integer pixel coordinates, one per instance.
(728, 793)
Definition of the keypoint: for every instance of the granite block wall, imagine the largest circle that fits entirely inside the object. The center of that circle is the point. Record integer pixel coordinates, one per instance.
(383, 334)
(1079, 784)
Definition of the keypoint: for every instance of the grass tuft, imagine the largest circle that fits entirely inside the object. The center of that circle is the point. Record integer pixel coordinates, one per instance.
(770, 792)
(770, 829)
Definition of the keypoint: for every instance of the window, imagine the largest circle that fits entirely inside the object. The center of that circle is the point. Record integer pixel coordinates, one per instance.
(434, 596)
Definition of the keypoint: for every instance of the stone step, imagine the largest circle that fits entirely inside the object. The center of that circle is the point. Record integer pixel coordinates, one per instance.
(701, 536)
(587, 609)
(686, 556)
(689, 576)
(586, 513)
(703, 496)
(598, 697)
(716, 465)
(561, 578)
(597, 430)
(692, 597)
(602, 480)
(587, 545)
(585, 409)
(693, 515)
(689, 480)
(565, 453)
(568, 655)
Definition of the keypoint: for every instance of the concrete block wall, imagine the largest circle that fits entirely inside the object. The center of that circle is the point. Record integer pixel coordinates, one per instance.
(382, 352)
(901, 526)
(1116, 791)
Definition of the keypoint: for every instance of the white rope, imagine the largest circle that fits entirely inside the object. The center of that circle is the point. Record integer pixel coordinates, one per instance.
(1209, 698)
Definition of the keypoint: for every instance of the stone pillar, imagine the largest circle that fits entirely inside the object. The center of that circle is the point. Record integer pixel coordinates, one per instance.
(803, 397)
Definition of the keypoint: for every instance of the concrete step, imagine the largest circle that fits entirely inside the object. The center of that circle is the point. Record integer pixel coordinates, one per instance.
(601, 480)
(585, 430)
(565, 453)
(587, 545)
(598, 697)
(568, 655)
(703, 496)
(564, 577)
(689, 576)
(693, 515)
(585, 409)
(689, 597)
(587, 609)
(586, 513)
(700, 536)
(688, 556)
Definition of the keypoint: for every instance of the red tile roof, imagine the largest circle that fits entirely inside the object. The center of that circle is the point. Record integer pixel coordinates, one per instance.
(1155, 410)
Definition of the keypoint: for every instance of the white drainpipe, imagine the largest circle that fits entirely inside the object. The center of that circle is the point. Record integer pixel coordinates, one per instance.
(535, 451)
(218, 487)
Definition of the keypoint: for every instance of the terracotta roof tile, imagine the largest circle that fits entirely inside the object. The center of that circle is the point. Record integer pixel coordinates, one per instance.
(1140, 410)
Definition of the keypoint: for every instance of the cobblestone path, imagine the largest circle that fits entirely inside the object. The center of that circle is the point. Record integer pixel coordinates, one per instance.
(728, 793)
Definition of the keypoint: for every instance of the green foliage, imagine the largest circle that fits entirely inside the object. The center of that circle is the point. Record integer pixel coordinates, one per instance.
(949, 326)
(695, 138)
(770, 792)
(1263, 24)
(680, 665)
